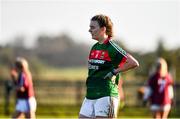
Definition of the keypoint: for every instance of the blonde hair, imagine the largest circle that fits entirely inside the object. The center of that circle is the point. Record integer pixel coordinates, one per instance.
(162, 66)
(22, 64)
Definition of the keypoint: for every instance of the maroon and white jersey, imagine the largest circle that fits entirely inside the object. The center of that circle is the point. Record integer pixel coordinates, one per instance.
(25, 81)
(159, 87)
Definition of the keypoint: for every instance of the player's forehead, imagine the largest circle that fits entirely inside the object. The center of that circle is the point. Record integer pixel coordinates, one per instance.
(94, 23)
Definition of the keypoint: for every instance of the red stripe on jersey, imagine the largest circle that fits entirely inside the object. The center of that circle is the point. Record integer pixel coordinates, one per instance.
(99, 54)
(123, 61)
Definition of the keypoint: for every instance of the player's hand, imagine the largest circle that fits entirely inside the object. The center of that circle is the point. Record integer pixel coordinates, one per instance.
(110, 74)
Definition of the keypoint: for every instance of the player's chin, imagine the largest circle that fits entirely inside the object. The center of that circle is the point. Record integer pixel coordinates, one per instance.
(93, 37)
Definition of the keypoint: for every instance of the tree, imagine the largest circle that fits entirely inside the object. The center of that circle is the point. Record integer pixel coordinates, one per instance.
(161, 50)
(18, 42)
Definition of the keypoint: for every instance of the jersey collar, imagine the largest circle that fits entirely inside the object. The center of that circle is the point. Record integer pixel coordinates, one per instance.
(106, 41)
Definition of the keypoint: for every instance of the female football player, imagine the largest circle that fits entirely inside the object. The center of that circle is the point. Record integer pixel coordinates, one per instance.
(106, 61)
(26, 103)
(160, 90)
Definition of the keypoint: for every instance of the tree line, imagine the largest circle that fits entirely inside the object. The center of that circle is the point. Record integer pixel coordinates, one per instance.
(62, 51)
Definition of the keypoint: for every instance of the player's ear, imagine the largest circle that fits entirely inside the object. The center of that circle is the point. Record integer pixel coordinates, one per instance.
(103, 29)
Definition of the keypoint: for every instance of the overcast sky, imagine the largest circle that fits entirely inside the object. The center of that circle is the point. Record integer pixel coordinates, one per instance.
(139, 23)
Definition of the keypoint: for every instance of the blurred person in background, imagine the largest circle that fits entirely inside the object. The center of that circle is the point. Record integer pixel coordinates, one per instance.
(9, 88)
(106, 61)
(159, 90)
(25, 102)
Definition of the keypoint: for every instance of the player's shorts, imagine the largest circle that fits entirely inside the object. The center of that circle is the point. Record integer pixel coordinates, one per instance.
(105, 107)
(26, 105)
(156, 107)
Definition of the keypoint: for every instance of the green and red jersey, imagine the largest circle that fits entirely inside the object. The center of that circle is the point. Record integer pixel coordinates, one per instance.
(103, 58)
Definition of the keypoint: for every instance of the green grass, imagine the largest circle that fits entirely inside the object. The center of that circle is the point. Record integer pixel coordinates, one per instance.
(71, 111)
(58, 111)
(130, 112)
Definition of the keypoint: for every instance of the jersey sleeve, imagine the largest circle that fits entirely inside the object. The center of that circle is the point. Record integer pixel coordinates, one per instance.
(170, 79)
(24, 82)
(120, 55)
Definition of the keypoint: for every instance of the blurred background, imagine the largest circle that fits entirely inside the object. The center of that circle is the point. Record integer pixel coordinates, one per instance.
(53, 36)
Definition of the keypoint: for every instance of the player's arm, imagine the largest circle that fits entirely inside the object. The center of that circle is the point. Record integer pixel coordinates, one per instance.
(14, 75)
(20, 85)
(22, 89)
(130, 63)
